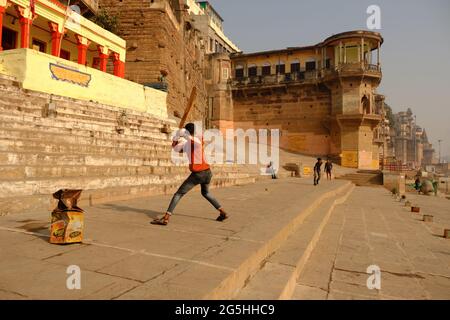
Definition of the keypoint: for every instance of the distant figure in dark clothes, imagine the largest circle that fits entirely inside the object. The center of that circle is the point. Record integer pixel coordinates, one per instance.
(271, 170)
(317, 171)
(328, 168)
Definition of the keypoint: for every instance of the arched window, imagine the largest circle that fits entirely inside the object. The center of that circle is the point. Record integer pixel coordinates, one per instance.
(365, 103)
(295, 66)
(252, 70)
(266, 69)
(239, 72)
(280, 68)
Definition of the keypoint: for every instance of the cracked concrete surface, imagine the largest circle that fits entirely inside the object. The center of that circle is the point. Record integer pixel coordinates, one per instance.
(372, 228)
(124, 257)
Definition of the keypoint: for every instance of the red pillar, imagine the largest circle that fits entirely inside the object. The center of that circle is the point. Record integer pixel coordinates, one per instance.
(26, 20)
(119, 66)
(103, 55)
(25, 25)
(82, 45)
(2, 11)
(56, 38)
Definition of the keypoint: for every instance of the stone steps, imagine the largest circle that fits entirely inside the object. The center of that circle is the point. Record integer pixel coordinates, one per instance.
(37, 145)
(76, 122)
(364, 178)
(277, 277)
(47, 184)
(39, 122)
(48, 158)
(285, 231)
(11, 124)
(141, 144)
(111, 153)
(90, 197)
(17, 172)
(36, 101)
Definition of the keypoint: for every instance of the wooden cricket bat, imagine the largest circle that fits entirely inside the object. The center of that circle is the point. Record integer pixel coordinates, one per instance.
(188, 107)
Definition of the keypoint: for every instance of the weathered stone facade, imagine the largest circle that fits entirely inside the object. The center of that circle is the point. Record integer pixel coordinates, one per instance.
(300, 112)
(409, 142)
(321, 97)
(160, 37)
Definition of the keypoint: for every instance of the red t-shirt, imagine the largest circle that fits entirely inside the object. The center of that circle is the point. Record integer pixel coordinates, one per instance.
(197, 162)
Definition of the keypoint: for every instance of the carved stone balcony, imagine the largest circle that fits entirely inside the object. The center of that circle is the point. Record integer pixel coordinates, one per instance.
(352, 69)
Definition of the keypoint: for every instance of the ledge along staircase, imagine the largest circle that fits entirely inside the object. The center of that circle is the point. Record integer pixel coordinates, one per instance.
(364, 177)
(263, 259)
(111, 153)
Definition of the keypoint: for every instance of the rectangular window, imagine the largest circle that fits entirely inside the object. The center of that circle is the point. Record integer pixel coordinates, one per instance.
(310, 66)
(9, 39)
(225, 74)
(39, 45)
(327, 63)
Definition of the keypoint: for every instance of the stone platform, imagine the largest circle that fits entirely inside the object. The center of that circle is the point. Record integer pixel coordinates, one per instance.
(372, 228)
(195, 257)
(286, 239)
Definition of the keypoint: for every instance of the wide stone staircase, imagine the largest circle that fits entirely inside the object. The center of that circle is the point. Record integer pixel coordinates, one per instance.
(49, 143)
(364, 177)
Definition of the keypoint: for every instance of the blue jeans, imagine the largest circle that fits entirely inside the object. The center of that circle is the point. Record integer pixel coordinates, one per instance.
(203, 178)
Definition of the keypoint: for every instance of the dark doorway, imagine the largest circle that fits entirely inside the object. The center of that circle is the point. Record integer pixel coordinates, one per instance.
(310, 66)
(239, 72)
(9, 39)
(252, 71)
(64, 54)
(281, 69)
(295, 67)
(265, 70)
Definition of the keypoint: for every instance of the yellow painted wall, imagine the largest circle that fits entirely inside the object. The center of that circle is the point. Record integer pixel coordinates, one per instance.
(349, 159)
(32, 69)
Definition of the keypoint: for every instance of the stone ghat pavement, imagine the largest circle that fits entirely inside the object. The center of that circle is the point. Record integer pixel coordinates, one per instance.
(372, 228)
(286, 240)
(125, 257)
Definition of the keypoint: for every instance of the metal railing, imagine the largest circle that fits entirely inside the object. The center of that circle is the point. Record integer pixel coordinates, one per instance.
(277, 78)
(306, 75)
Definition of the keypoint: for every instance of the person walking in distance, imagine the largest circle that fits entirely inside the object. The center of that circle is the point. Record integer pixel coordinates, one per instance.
(185, 141)
(317, 169)
(328, 168)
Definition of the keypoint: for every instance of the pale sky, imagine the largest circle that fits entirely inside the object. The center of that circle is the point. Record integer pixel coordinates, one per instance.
(415, 54)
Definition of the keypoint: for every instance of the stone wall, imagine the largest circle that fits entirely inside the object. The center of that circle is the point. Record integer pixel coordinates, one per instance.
(160, 36)
(394, 180)
(300, 112)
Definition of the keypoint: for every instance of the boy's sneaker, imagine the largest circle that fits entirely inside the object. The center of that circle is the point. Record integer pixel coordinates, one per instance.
(223, 216)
